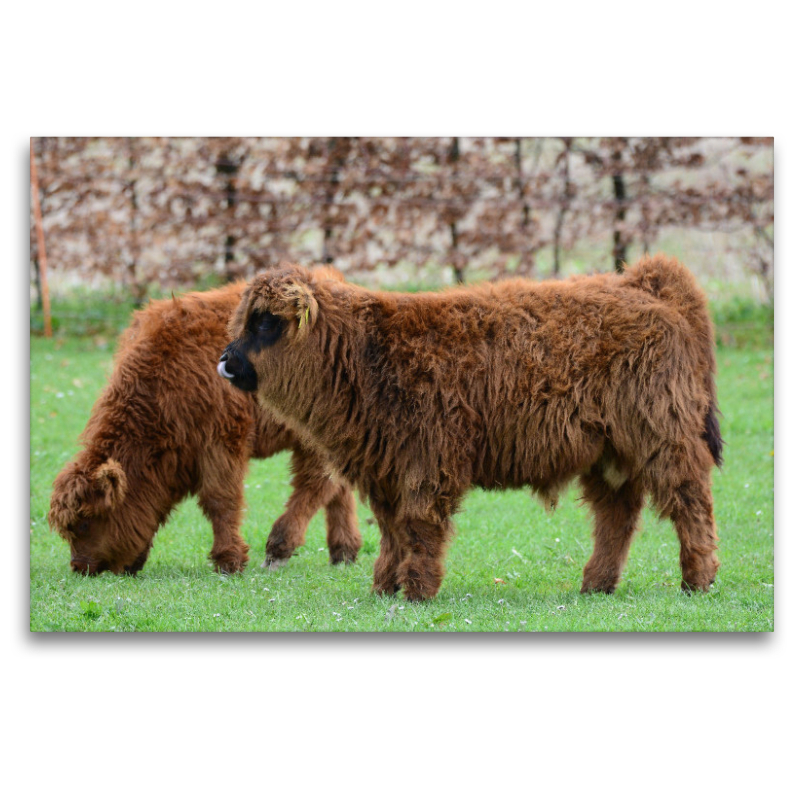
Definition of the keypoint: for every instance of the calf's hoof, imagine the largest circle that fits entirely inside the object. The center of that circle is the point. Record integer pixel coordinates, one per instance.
(274, 564)
(700, 578)
(230, 564)
(589, 589)
(690, 587)
(416, 589)
(385, 588)
(598, 584)
(342, 556)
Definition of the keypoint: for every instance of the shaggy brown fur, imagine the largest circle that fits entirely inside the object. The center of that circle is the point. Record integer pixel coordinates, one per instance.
(165, 427)
(416, 397)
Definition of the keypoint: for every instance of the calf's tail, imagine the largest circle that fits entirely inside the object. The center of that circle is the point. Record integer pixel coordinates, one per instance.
(668, 280)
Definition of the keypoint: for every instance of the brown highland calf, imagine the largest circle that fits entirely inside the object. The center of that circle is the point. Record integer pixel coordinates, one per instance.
(416, 397)
(166, 427)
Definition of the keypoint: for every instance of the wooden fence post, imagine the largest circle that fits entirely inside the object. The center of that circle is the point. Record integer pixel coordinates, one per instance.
(37, 216)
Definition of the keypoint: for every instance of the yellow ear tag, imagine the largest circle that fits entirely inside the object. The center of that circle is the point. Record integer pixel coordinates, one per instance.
(304, 318)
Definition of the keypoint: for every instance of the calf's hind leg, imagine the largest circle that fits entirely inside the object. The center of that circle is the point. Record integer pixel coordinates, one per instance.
(616, 513)
(344, 539)
(682, 491)
(312, 488)
(692, 513)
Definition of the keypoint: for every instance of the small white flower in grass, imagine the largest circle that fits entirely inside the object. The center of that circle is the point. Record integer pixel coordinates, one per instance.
(468, 621)
(217, 615)
(747, 486)
(501, 602)
(558, 540)
(758, 513)
(59, 394)
(273, 599)
(561, 608)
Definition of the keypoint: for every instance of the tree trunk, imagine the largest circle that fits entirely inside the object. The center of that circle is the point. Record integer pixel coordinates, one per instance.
(458, 266)
(227, 166)
(336, 160)
(620, 196)
(37, 280)
(562, 211)
(526, 211)
(137, 290)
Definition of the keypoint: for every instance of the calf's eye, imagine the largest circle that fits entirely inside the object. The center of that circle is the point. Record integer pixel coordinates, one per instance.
(266, 328)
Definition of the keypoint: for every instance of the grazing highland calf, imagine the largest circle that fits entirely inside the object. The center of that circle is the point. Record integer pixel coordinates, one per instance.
(416, 397)
(166, 427)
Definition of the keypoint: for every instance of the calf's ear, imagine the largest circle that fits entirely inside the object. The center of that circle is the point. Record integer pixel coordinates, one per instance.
(110, 483)
(70, 490)
(78, 494)
(300, 304)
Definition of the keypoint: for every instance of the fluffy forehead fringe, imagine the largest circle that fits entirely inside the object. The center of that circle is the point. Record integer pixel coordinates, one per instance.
(287, 291)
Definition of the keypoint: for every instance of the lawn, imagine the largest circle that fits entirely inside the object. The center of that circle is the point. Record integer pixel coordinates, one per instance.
(511, 567)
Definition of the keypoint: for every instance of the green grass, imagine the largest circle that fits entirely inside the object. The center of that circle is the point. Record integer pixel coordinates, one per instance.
(511, 567)
(740, 321)
(81, 312)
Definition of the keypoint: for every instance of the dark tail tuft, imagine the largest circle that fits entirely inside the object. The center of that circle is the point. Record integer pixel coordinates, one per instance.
(712, 435)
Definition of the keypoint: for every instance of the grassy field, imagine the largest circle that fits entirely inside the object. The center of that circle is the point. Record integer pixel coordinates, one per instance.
(511, 567)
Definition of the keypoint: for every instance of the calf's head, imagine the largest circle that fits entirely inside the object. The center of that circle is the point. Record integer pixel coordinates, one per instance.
(276, 314)
(83, 510)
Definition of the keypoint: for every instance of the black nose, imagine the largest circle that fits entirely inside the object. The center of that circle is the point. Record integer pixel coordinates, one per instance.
(236, 368)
